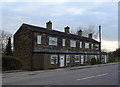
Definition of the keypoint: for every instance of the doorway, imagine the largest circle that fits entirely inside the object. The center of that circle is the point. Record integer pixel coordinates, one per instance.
(82, 59)
(62, 62)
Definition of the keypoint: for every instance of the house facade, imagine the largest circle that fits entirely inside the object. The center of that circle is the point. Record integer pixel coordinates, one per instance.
(45, 48)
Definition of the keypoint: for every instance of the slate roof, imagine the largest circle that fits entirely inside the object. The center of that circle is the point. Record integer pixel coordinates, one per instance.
(58, 33)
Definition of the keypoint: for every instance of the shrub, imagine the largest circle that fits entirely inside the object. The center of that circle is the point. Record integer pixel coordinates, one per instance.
(11, 63)
(98, 61)
(93, 61)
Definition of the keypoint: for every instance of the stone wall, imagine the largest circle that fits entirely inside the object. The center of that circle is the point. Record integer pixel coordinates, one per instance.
(45, 44)
(23, 46)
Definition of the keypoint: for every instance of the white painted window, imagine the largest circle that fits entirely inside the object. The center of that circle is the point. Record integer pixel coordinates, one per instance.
(38, 39)
(97, 46)
(92, 46)
(80, 44)
(63, 42)
(95, 56)
(54, 59)
(86, 45)
(52, 41)
(105, 58)
(86, 58)
(72, 43)
(77, 58)
(67, 58)
(92, 56)
(98, 56)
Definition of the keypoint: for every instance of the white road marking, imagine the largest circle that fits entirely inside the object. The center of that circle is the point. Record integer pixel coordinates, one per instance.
(93, 76)
(102, 74)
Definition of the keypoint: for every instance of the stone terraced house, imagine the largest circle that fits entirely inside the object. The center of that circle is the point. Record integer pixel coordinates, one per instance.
(45, 48)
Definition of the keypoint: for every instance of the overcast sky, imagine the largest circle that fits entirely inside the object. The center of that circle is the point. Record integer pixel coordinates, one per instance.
(62, 14)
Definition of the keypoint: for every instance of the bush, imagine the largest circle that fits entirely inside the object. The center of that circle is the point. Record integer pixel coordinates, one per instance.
(112, 61)
(93, 61)
(11, 63)
(98, 61)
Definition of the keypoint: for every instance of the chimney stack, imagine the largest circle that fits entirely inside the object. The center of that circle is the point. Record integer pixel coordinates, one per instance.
(67, 30)
(49, 25)
(80, 33)
(90, 35)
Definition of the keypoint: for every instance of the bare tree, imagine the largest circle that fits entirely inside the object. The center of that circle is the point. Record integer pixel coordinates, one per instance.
(4, 39)
(88, 30)
(104, 50)
(74, 31)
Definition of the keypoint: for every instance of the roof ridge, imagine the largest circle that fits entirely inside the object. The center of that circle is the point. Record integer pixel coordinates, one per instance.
(45, 30)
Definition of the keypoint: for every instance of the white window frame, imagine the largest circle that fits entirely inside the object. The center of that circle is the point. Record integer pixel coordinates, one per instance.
(53, 41)
(96, 57)
(86, 58)
(38, 39)
(92, 56)
(92, 46)
(80, 44)
(105, 58)
(67, 58)
(77, 56)
(97, 46)
(53, 58)
(72, 43)
(86, 45)
(63, 42)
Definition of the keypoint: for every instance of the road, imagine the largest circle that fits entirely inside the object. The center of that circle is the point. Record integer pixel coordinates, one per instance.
(104, 75)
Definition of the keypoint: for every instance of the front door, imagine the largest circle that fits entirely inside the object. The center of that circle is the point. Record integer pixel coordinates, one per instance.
(82, 59)
(105, 59)
(61, 61)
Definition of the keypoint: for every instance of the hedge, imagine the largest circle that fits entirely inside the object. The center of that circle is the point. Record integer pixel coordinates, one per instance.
(95, 61)
(98, 61)
(11, 63)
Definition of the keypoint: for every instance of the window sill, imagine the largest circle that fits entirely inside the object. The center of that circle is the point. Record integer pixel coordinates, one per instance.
(77, 61)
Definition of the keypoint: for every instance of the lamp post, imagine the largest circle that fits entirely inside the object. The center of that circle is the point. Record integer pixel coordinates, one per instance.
(100, 40)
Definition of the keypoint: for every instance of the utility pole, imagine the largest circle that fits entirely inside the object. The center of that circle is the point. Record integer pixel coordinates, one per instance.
(100, 40)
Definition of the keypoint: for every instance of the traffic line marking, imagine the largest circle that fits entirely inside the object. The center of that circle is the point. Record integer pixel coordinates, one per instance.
(93, 76)
(102, 74)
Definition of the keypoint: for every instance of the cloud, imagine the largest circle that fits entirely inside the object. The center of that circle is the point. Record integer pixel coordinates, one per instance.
(46, 9)
(109, 45)
(76, 10)
(60, 1)
(68, 11)
(98, 13)
(50, 9)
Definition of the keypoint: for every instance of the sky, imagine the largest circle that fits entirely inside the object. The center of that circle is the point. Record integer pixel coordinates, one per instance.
(63, 13)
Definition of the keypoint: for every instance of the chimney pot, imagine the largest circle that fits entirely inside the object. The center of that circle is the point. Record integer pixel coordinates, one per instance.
(67, 30)
(90, 35)
(80, 33)
(49, 25)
